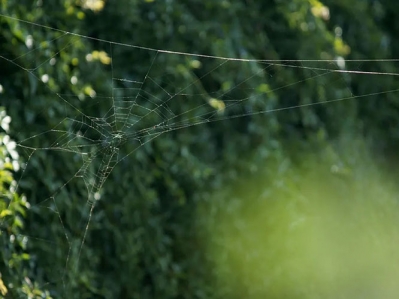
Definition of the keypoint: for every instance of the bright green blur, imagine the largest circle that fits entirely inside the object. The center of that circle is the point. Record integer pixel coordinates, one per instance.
(324, 234)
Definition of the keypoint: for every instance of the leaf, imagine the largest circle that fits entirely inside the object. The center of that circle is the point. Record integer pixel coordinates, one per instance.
(5, 213)
(3, 289)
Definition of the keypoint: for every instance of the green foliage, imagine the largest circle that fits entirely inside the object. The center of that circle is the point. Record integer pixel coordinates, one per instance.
(15, 259)
(144, 239)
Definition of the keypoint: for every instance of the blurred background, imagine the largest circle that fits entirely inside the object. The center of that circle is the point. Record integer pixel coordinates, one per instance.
(270, 176)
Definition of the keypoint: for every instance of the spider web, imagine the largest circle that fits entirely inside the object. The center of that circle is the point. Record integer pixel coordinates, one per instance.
(135, 109)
